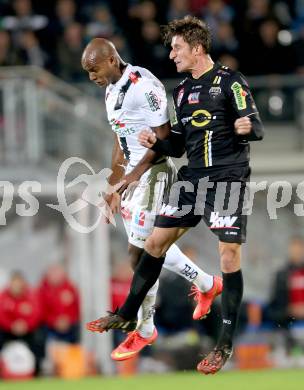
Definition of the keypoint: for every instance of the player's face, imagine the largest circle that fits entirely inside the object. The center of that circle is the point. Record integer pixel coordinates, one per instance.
(182, 54)
(101, 72)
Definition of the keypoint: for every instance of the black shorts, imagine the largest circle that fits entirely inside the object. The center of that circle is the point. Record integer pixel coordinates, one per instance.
(215, 195)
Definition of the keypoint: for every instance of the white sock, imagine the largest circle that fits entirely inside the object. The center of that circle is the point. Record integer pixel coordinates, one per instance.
(179, 263)
(145, 315)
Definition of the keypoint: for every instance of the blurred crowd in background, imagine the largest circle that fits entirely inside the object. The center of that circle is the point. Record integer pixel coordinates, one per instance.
(254, 36)
(49, 313)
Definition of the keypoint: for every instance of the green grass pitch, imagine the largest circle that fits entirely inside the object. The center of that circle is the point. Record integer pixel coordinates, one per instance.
(233, 380)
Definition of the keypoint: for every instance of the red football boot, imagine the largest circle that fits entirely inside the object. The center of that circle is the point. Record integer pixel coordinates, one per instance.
(132, 345)
(205, 299)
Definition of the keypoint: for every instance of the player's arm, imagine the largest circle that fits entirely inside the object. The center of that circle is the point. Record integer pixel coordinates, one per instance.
(173, 144)
(151, 101)
(248, 125)
(149, 158)
(118, 163)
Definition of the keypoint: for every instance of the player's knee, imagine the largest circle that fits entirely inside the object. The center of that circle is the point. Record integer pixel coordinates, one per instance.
(154, 247)
(230, 257)
(134, 255)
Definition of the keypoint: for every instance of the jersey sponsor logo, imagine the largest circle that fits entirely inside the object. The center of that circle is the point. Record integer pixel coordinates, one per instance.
(214, 92)
(239, 95)
(197, 87)
(140, 218)
(167, 210)
(201, 118)
(180, 96)
(116, 124)
(193, 98)
(153, 100)
(222, 222)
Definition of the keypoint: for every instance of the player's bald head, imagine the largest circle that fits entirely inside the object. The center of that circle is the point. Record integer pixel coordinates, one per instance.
(98, 50)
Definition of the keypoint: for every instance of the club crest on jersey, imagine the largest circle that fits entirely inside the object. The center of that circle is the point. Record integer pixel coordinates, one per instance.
(120, 98)
(193, 98)
(133, 77)
(214, 92)
(140, 218)
(180, 96)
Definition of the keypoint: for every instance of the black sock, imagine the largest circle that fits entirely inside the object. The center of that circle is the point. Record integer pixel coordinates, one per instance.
(145, 275)
(231, 302)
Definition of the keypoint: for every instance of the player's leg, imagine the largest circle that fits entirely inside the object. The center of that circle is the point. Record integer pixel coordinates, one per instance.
(145, 324)
(149, 267)
(231, 230)
(145, 275)
(205, 287)
(230, 254)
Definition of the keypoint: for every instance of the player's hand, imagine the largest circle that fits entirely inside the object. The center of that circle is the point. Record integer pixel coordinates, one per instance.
(115, 203)
(243, 126)
(147, 138)
(130, 183)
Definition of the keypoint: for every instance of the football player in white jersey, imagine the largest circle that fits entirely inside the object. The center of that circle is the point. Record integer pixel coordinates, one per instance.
(136, 100)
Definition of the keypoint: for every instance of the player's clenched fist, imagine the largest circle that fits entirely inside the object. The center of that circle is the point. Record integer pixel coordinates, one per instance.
(243, 125)
(147, 138)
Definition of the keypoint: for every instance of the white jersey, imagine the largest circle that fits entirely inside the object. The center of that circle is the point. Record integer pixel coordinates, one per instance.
(136, 102)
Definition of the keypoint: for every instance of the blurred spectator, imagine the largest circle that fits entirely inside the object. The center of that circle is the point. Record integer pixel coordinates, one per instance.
(269, 48)
(23, 19)
(102, 23)
(153, 54)
(298, 47)
(122, 46)
(20, 315)
(30, 52)
(230, 61)
(215, 12)
(65, 14)
(224, 42)
(287, 301)
(8, 56)
(197, 6)
(69, 53)
(139, 13)
(178, 9)
(60, 302)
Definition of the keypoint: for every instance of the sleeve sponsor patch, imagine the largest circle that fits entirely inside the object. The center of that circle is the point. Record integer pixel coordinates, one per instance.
(153, 100)
(239, 95)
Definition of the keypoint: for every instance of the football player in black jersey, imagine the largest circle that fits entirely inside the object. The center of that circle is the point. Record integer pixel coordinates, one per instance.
(215, 119)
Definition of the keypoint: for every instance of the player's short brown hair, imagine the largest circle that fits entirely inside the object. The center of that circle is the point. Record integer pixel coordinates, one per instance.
(193, 30)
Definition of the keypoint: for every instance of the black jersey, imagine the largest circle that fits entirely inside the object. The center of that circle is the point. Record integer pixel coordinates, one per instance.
(205, 112)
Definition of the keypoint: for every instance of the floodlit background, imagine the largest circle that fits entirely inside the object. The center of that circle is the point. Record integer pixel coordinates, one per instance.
(49, 112)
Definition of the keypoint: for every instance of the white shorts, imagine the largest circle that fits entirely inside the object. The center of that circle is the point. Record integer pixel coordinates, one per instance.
(140, 207)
